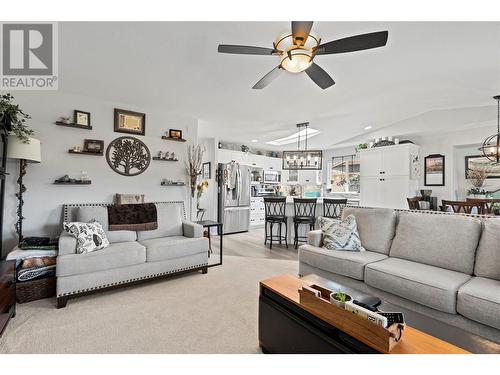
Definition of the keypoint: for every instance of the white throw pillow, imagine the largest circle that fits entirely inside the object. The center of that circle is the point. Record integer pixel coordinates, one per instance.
(340, 234)
(90, 236)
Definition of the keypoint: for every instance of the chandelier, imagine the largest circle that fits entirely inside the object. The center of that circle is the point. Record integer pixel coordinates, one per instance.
(491, 145)
(302, 159)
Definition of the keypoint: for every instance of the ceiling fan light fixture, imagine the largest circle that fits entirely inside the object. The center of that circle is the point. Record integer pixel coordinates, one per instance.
(294, 58)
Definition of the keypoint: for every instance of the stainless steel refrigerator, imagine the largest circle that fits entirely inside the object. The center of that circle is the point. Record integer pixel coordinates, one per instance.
(234, 197)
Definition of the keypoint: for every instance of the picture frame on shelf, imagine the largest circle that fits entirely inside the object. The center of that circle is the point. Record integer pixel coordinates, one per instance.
(207, 170)
(175, 134)
(81, 118)
(93, 145)
(129, 122)
(480, 161)
(434, 170)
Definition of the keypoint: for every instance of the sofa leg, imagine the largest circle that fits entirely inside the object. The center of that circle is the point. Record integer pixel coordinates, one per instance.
(204, 270)
(61, 302)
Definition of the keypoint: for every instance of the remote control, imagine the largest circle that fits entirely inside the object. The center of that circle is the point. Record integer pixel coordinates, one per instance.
(393, 317)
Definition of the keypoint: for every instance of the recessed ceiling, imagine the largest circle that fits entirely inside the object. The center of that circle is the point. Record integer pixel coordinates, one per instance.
(425, 67)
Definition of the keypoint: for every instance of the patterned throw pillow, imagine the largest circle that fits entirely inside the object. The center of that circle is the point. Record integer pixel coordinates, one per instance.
(90, 236)
(340, 234)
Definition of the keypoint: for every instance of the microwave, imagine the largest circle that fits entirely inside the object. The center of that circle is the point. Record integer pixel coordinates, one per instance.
(272, 177)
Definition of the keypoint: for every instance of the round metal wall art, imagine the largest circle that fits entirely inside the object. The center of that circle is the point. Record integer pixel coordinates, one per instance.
(128, 156)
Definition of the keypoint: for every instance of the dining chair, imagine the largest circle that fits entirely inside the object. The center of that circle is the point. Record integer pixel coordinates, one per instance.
(414, 203)
(487, 204)
(461, 206)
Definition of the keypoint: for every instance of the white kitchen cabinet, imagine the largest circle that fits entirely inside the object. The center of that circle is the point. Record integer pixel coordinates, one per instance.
(257, 212)
(257, 161)
(385, 176)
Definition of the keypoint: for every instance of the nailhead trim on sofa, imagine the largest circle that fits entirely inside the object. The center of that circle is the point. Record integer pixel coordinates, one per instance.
(131, 280)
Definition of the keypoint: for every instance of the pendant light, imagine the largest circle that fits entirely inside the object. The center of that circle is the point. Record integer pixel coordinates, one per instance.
(302, 159)
(491, 145)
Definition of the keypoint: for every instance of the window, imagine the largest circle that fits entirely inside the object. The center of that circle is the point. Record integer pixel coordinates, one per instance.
(344, 176)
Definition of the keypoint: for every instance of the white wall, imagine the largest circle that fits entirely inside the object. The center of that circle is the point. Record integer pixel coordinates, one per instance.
(43, 200)
(209, 198)
(455, 146)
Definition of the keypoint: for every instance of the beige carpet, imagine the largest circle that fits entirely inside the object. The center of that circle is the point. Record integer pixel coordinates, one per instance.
(195, 313)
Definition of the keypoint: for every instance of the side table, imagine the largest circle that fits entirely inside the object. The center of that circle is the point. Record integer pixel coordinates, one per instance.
(209, 224)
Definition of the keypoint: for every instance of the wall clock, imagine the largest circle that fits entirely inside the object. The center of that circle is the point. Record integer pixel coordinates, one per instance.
(128, 156)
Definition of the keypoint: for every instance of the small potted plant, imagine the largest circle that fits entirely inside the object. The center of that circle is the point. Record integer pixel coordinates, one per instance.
(340, 298)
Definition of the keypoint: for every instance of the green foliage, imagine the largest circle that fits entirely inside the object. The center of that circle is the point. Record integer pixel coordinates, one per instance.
(10, 112)
(340, 296)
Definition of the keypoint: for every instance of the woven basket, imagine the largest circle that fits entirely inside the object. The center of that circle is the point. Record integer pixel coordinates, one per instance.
(37, 289)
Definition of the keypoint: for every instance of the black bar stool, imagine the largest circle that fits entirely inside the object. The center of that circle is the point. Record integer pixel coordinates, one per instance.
(304, 214)
(275, 214)
(332, 207)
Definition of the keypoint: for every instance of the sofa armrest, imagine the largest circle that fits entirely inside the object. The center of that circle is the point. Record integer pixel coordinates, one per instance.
(192, 230)
(67, 244)
(315, 238)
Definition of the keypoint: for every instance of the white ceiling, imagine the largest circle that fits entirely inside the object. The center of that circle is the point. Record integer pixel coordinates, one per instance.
(429, 73)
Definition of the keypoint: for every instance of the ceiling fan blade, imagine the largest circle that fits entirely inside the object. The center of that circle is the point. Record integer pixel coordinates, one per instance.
(245, 50)
(300, 31)
(319, 76)
(268, 78)
(354, 43)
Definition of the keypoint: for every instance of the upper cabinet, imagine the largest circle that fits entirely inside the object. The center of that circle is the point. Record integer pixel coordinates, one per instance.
(258, 161)
(389, 160)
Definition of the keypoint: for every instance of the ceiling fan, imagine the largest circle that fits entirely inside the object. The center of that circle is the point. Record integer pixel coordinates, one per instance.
(298, 50)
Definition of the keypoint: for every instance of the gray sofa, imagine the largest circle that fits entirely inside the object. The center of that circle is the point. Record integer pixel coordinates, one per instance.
(446, 266)
(177, 246)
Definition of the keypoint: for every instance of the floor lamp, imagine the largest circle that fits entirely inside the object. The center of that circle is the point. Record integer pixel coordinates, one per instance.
(25, 153)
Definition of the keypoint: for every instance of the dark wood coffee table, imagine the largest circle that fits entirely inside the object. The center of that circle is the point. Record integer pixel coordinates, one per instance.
(286, 327)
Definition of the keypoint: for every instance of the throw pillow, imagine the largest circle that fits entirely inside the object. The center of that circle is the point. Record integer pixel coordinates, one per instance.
(129, 198)
(340, 234)
(90, 236)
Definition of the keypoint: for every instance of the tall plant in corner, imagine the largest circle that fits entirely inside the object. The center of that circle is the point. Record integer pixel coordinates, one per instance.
(10, 113)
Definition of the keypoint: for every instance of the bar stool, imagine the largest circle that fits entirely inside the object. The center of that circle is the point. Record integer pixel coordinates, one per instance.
(304, 214)
(275, 214)
(332, 207)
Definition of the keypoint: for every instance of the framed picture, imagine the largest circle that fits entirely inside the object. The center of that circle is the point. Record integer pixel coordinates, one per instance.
(130, 122)
(175, 133)
(480, 162)
(82, 118)
(434, 170)
(93, 145)
(207, 171)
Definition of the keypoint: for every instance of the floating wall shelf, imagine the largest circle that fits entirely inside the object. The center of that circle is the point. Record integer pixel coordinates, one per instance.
(173, 139)
(73, 183)
(157, 158)
(73, 125)
(86, 153)
(183, 184)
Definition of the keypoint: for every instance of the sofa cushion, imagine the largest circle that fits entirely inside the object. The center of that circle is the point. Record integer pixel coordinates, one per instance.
(100, 213)
(117, 255)
(376, 227)
(442, 240)
(488, 252)
(340, 234)
(430, 286)
(165, 248)
(89, 236)
(479, 300)
(346, 263)
(169, 222)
